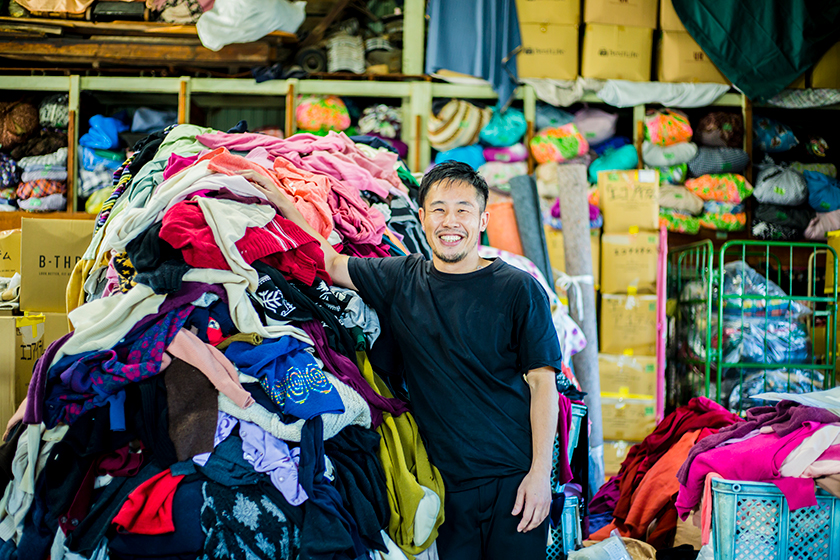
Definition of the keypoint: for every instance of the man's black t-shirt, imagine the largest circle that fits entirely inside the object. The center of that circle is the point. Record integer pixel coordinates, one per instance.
(466, 340)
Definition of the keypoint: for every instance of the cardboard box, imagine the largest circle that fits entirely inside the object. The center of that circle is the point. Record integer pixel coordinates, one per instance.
(668, 18)
(628, 323)
(548, 11)
(549, 50)
(9, 252)
(628, 262)
(627, 419)
(682, 60)
(638, 13)
(826, 72)
(627, 377)
(615, 52)
(629, 200)
(21, 344)
(557, 251)
(49, 251)
(614, 454)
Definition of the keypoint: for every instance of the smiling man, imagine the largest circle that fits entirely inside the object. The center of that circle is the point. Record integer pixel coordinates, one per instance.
(480, 353)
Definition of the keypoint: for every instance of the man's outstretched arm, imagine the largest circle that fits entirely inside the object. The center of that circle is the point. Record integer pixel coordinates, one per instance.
(334, 262)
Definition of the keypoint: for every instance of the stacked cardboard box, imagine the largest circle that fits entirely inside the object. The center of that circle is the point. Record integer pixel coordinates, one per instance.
(47, 252)
(549, 31)
(680, 58)
(618, 39)
(628, 321)
(826, 72)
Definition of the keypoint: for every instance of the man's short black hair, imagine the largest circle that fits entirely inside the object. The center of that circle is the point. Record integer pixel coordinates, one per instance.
(453, 171)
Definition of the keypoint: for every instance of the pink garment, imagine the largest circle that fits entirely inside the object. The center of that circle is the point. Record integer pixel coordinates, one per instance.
(756, 459)
(212, 363)
(301, 143)
(177, 163)
(309, 191)
(809, 460)
(345, 169)
(112, 279)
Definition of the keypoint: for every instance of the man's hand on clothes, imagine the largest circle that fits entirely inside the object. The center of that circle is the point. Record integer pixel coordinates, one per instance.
(266, 186)
(533, 500)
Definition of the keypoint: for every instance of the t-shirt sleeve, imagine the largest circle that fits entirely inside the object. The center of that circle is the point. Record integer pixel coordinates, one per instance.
(534, 330)
(375, 279)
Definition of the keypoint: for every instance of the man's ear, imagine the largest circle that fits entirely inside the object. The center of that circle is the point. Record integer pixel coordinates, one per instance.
(421, 214)
(485, 218)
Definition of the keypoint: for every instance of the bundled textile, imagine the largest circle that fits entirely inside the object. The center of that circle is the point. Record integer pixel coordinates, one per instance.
(644, 491)
(216, 398)
(792, 445)
(43, 182)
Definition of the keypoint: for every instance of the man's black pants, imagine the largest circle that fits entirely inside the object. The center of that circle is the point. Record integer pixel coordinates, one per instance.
(479, 525)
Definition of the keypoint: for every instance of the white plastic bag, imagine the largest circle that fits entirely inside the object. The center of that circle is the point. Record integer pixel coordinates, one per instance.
(243, 21)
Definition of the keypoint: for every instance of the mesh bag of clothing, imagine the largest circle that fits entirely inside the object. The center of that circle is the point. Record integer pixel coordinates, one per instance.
(723, 187)
(724, 221)
(322, 113)
(676, 221)
(823, 191)
(54, 111)
(769, 231)
(772, 380)
(673, 174)
(718, 160)
(680, 199)
(667, 127)
(662, 156)
(504, 129)
(739, 279)
(780, 185)
(559, 144)
(772, 341)
(796, 217)
(825, 168)
(17, 121)
(771, 136)
(721, 129)
(596, 125)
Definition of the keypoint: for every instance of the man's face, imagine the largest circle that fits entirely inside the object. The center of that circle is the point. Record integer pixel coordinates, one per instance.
(453, 220)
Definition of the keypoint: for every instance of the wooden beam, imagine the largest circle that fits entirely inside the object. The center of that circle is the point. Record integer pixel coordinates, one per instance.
(121, 27)
(70, 50)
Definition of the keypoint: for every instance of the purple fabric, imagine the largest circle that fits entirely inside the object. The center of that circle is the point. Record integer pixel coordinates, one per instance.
(785, 417)
(344, 369)
(594, 211)
(37, 386)
(757, 459)
(607, 497)
(88, 381)
(224, 427)
(271, 455)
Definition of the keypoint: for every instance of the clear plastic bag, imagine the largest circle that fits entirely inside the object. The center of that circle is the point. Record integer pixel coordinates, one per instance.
(757, 340)
(774, 380)
(741, 279)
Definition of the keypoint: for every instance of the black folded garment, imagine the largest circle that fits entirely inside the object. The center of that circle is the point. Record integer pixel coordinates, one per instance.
(796, 217)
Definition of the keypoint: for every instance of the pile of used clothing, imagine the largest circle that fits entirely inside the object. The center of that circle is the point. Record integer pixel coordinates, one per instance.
(217, 398)
(33, 166)
(793, 445)
(640, 500)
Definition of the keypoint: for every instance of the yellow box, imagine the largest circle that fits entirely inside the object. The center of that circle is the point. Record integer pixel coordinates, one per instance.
(616, 52)
(668, 18)
(682, 60)
(557, 251)
(627, 419)
(9, 252)
(800, 82)
(549, 50)
(628, 262)
(548, 11)
(21, 344)
(629, 200)
(627, 377)
(628, 323)
(638, 13)
(614, 454)
(49, 251)
(826, 72)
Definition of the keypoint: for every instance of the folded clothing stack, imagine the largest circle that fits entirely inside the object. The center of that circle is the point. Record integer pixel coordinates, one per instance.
(43, 182)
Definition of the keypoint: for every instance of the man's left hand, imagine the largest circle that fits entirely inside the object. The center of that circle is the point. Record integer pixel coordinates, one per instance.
(533, 501)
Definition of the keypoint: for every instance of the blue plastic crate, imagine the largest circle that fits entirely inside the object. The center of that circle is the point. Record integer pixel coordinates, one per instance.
(752, 520)
(567, 536)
